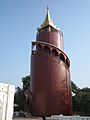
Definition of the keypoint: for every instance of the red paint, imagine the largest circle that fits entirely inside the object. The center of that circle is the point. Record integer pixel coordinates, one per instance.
(50, 83)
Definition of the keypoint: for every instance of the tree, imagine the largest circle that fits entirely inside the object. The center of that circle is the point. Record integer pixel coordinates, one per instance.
(75, 88)
(28, 95)
(26, 82)
(19, 98)
(81, 100)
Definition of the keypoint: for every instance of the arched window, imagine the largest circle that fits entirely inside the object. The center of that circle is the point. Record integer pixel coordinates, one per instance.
(47, 50)
(54, 52)
(67, 62)
(53, 30)
(39, 47)
(62, 57)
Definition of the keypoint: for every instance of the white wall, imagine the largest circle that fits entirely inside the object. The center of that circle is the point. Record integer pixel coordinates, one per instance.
(61, 117)
(6, 101)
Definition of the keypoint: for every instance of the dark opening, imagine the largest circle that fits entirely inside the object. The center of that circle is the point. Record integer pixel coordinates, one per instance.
(54, 52)
(62, 57)
(47, 50)
(53, 30)
(33, 49)
(67, 62)
(39, 47)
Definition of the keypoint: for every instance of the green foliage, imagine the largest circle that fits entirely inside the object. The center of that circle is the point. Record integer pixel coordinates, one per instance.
(75, 89)
(81, 100)
(26, 82)
(19, 98)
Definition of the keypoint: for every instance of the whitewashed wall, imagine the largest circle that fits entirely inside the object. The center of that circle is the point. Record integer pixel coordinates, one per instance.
(60, 117)
(6, 101)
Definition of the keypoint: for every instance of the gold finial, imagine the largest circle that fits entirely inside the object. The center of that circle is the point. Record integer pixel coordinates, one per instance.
(48, 20)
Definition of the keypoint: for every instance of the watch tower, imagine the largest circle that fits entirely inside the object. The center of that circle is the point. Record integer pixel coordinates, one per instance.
(50, 73)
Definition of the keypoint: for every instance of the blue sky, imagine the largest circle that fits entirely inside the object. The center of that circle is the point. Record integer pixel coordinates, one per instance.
(19, 20)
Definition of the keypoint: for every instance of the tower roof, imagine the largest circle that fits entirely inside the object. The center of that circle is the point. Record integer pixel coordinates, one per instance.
(48, 21)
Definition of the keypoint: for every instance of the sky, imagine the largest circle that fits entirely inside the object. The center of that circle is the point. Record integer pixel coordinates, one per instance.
(19, 20)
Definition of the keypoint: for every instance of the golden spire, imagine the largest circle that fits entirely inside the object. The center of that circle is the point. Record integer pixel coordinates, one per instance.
(48, 20)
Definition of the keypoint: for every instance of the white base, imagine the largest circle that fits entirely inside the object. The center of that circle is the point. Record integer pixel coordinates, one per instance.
(6, 101)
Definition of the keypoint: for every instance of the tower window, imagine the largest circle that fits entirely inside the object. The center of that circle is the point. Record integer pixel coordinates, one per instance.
(54, 52)
(62, 57)
(47, 50)
(53, 30)
(67, 62)
(39, 48)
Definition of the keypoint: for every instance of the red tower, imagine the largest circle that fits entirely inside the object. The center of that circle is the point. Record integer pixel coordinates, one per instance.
(50, 75)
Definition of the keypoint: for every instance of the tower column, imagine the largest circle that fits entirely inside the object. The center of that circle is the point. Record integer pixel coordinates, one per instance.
(50, 83)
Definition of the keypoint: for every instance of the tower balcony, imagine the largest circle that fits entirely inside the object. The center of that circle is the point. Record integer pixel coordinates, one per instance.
(51, 51)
